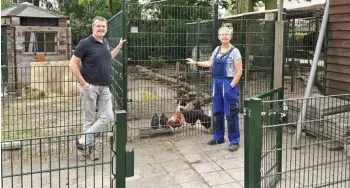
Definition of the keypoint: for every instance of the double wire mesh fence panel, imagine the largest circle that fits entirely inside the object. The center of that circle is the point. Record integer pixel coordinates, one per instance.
(301, 34)
(322, 159)
(41, 119)
(256, 40)
(159, 80)
(45, 162)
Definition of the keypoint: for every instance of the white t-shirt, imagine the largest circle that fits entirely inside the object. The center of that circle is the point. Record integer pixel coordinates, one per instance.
(234, 55)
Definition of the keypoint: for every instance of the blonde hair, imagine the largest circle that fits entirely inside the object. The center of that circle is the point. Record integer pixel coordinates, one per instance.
(225, 30)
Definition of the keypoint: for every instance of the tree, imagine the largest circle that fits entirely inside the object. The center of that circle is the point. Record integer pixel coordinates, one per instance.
(5, 4)
(81, 13)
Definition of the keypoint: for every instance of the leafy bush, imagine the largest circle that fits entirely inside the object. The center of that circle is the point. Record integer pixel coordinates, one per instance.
(157, 62)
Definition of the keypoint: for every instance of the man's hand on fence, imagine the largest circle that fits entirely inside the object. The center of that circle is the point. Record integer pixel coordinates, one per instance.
(121, 43)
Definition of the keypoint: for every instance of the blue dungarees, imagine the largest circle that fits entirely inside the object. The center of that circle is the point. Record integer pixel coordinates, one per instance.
(225, 100)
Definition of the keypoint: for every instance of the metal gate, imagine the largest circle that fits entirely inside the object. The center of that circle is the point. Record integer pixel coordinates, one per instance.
(153, 76)
(262, 140)
(271, 158)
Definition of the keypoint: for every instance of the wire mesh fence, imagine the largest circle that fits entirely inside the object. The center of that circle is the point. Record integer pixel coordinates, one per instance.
(40, 100)
(323, 157)
(41, 119)
(45, 162)
(255, 39)
(159, 81)
(302, 29)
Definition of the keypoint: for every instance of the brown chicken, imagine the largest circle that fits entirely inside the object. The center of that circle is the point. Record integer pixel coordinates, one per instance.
(175, 121)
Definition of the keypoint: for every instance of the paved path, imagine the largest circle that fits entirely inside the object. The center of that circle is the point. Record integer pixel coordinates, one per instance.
(187, 163)
(183, 163)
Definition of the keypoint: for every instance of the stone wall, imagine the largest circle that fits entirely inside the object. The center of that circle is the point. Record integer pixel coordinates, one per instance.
(53, 77)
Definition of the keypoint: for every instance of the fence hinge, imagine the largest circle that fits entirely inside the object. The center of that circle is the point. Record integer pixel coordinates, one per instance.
(246, 112)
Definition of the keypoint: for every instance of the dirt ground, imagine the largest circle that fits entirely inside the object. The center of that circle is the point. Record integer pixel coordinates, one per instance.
(47, 116)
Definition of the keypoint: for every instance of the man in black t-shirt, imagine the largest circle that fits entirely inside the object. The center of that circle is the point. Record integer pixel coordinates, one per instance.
(94, 78)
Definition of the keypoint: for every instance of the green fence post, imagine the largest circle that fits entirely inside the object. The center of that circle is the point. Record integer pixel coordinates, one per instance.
(120, 144)
(279, 134)
(242, 82)
(246, 115)
(255, 140)
(125, 54)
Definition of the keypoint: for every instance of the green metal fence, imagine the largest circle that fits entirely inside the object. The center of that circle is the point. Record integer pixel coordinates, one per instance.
(301, 32)
(52, 161)
(119, 72)
(41, 120)
(271, 158)
(40, 124)
(157, 76)
(257, 139)
(255, 40)
(155, 71)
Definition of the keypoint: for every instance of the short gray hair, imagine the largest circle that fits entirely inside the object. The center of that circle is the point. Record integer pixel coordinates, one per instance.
(99, 18)
(225, 29)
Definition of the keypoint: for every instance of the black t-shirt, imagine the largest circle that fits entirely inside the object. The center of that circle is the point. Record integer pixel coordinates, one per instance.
(96, 60)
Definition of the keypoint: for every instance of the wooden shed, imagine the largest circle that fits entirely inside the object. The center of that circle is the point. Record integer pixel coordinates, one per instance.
(32, 34)
(338, 54)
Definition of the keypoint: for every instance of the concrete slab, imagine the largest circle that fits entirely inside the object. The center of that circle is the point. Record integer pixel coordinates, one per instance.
(218, 178)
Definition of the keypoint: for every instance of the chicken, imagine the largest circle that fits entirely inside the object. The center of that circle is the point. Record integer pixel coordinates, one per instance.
(163, 120)
(155, 121)
(191, 116)
(175, 121)
(205, 120)
(197, 105)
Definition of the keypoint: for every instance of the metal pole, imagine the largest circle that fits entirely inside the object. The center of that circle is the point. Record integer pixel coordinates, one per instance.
(280, 10)
(125, 54)
(312, 74)
(198, 93)
(215, 25)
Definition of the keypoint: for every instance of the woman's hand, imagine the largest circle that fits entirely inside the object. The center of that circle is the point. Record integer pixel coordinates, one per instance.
(191, 61)
(232, 84)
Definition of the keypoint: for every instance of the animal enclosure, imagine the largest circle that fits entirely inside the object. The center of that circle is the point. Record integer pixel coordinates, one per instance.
(43, 120)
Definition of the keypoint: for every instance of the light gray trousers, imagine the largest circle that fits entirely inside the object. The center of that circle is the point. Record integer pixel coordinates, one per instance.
(94, 97)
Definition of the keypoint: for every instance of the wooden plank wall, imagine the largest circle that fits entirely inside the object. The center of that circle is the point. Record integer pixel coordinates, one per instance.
(338, 59)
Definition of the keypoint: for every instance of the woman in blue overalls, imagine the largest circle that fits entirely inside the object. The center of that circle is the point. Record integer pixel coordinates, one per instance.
(226, 63)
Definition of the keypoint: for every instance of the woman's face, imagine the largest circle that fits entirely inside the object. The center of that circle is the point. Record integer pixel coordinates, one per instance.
(224, 37)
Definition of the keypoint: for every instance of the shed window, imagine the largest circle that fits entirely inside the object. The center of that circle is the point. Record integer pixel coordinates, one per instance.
(40, 42)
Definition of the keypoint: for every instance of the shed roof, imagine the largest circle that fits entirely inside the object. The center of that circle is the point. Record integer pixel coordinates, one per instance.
(300, 12)
(29, 10)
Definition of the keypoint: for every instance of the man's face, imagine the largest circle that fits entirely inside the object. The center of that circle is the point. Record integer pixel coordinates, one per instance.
(99, 28)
